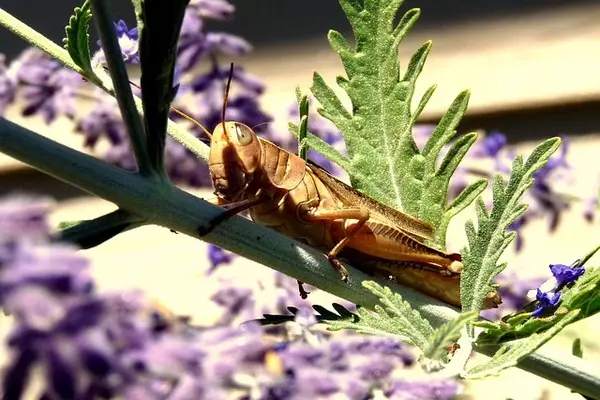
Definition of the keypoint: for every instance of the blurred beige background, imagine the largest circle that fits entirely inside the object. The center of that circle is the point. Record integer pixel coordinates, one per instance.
(517, 65)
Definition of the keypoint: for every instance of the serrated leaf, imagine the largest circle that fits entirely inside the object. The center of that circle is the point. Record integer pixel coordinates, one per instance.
(320, 146)
(397, 317)
(436, 186)
(485, 248)
(161, 24)
(466, 197)
(446, 335)
(509, 356)
(77, 40)
(383, 160)
(422, 103)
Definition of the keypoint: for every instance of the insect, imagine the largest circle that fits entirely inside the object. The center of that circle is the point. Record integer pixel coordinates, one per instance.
(303, 201)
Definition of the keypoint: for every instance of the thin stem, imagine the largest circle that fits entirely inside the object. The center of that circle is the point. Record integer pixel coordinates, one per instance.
(88, 234)
(33, 37)
(124, 96)
(567, 370)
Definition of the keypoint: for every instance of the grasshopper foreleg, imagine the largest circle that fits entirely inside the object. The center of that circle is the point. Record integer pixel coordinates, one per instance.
(358, 213)
(229, 210)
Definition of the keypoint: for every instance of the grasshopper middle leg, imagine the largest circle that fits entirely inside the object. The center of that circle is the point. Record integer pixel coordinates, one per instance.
(358, 213)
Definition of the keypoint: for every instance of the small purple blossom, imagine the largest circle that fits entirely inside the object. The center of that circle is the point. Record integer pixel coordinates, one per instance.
(46, 86)
(514, 292)
(546, 301)
(128, 42)
(489, 147)
(425, 390)
(8, 85)
(565, 274)
(212, 9)
(217, 257)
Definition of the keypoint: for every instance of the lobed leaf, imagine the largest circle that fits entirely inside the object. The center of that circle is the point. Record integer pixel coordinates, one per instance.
(446, 335)
(488, 241)
(77, 40)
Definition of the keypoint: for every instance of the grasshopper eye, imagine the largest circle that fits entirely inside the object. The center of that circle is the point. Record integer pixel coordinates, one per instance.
(243, 134)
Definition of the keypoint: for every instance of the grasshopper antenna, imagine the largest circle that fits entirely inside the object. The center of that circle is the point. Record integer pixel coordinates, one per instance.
(180, 113)
(226, 96)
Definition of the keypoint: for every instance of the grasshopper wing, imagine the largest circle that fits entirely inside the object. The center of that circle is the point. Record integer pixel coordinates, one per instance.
(407, 224)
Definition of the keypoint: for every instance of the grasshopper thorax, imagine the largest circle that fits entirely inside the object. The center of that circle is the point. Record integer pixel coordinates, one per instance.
(235, 154)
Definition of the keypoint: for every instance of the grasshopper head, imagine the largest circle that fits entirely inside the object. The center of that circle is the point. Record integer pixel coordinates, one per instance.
(235, 153)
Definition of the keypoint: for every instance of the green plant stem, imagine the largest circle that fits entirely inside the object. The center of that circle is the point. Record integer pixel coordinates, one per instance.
(87, 234)
(123, 94)
(160, 203)
(565, 369)
(34, 38)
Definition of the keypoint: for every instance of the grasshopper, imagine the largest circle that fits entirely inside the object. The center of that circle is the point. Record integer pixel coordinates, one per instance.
(301, 200)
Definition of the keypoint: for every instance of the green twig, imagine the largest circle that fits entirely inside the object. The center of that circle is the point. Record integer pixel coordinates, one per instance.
(124, 96)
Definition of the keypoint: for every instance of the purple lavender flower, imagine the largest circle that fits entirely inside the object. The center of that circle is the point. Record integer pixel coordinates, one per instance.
(425, 390)
(565, 274)
(546, 301)
(47, 87)
(195, 44)
(212, 9)
(103, 121)
(128, 42)
(8, 85)
(489, 147)
(513, 290)
(217, 257)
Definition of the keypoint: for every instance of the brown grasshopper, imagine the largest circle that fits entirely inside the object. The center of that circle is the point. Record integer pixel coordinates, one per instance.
(301, 200)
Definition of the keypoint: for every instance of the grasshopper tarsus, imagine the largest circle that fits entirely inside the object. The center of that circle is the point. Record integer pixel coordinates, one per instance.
(303, 293)
(337, 265)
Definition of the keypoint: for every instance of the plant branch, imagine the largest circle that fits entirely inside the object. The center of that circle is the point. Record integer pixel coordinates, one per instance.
(91, 233)
(567, 370)
(123, 94)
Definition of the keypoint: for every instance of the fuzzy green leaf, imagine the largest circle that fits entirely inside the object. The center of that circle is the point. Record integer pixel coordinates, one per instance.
(395, 317)
(158, 50)
(77, 40)
(509, 355)
(422, 103)
(383, 159)
(466, 197)
(320, 146)
(446, 335)
(582, 296)
(436, 187)
(490, 239)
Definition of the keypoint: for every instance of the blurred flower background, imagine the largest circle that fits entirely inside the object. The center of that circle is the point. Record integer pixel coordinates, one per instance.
(126, 344)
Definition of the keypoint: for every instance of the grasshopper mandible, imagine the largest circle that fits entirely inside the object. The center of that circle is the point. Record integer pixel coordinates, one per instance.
(301, 200)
